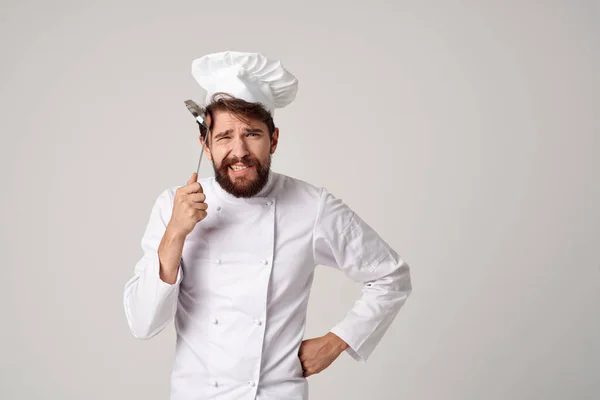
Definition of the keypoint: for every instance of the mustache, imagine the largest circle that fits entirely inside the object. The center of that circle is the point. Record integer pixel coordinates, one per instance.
(246, 160)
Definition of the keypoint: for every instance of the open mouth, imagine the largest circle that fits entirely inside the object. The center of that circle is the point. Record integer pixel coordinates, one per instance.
(240, 169)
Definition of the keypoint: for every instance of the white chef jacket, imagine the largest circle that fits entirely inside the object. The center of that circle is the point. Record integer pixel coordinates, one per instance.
(239, 302)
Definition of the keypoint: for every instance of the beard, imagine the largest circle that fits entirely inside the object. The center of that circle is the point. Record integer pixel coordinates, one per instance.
(242, 187)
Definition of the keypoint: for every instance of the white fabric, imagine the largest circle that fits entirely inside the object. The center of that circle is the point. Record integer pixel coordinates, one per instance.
(248, 76)
(239, 302)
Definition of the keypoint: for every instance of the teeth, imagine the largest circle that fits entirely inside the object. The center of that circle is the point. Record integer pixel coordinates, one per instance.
(238, 167)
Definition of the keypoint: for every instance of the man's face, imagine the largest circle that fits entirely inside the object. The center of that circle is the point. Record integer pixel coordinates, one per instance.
(240, 153)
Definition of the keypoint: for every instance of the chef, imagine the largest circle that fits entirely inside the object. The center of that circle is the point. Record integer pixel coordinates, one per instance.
(230, 259)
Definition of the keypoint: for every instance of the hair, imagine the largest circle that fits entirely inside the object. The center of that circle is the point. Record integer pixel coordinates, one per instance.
(242, 109)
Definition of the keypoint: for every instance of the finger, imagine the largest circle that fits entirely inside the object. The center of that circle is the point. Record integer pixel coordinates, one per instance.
(302, 346)
(193, 178)
(200, 206)
(201, 215)
(197, 197)
(193, 187)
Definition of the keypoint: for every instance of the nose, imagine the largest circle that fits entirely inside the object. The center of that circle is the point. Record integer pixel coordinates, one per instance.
(239, 148)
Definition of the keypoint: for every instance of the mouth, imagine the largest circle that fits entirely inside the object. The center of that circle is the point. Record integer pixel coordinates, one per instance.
(240, 169)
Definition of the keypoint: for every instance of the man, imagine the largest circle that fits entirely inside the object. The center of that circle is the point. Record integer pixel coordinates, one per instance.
(231, 258)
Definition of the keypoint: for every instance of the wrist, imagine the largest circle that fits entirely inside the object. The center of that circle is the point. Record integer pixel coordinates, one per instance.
(338, 342)
(174, 235)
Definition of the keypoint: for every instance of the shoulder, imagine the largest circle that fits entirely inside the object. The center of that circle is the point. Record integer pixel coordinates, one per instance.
(301, 190)
(307, 196)
(289, 186)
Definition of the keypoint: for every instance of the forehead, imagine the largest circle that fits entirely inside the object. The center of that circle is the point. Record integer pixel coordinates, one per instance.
(226, 119)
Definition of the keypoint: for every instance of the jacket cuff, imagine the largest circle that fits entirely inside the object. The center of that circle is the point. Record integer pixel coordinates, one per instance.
(154, 270)
(353, 347)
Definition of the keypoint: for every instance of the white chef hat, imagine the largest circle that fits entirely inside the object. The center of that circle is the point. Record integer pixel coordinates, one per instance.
(248, 76)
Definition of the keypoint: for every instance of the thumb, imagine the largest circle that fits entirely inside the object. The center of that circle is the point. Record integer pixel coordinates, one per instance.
(302, 347)
(193, 178)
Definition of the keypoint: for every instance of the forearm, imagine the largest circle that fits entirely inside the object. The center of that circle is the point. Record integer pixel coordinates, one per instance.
(150, 302)
(169, 254)
(366, 323)
(151, 295)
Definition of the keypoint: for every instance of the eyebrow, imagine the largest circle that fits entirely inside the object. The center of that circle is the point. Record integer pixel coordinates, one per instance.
(229, 131)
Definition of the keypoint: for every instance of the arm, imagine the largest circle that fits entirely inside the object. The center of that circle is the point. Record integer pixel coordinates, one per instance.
(150, 296)
(344, 241)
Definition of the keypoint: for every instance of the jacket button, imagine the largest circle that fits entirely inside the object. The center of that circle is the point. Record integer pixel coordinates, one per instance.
(215, 383)
(264, 262)
(252, 384)
(219, 208)
(215, 321)
(258, 322)
(218, 261)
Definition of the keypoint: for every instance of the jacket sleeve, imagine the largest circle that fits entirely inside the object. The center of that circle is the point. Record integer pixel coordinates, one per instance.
(150, 303)
(344, 241)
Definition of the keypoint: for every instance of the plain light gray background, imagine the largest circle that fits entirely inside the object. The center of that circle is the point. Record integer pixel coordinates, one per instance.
(466, 133)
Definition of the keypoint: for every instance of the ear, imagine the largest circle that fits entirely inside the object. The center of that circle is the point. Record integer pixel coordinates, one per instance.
(207, 152)
(274, 140)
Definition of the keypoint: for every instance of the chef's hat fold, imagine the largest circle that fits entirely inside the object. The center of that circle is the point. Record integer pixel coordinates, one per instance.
(248, 76)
